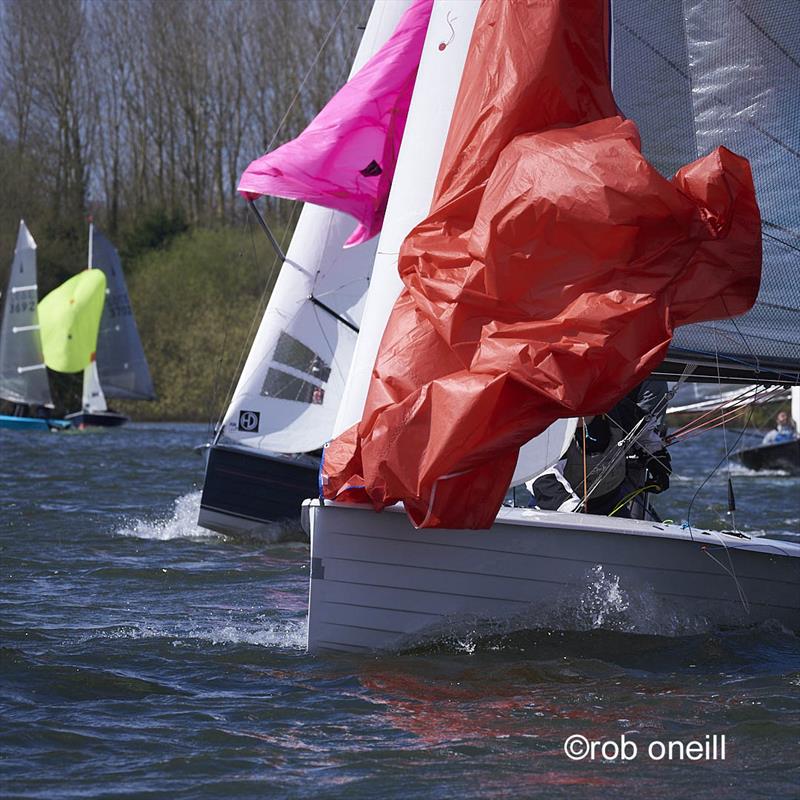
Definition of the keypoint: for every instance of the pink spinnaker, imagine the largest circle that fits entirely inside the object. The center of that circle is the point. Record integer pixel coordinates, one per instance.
(345, 159)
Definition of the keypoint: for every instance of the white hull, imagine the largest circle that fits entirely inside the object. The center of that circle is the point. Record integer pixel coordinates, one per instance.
(377, 583)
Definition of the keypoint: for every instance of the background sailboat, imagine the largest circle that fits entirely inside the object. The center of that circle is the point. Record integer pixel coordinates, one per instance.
(265, 458)
(23, 375)
(119, 368)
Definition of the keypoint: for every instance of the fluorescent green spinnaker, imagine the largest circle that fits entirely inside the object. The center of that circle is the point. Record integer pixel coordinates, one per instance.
(69, 319)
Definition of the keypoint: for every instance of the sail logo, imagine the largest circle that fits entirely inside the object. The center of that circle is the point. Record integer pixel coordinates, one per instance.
(249, 420)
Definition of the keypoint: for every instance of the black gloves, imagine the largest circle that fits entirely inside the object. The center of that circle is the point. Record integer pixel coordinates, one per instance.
(659, 468)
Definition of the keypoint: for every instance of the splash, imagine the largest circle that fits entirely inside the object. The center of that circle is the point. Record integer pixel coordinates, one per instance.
(599, 603)
(181, 524)
(737, 469)
(603, 602)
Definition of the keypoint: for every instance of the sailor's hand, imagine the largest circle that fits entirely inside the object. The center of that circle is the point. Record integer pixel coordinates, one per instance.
(659, 468)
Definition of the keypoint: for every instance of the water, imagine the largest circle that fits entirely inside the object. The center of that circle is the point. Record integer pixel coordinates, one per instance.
(145, 658)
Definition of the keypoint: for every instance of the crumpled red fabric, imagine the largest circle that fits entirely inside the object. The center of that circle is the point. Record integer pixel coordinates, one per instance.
(549, 276)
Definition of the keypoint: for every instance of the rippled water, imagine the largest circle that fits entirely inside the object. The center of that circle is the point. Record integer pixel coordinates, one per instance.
(144, 657)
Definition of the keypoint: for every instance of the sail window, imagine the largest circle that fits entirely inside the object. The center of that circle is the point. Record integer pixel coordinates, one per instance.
(283, 386)
(293, 353)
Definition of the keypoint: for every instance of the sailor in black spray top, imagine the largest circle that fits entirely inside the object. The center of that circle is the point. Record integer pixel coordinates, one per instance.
(616, 474)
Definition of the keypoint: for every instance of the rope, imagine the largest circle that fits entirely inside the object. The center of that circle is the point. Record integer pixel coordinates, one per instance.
(632, 496)
(585, 493)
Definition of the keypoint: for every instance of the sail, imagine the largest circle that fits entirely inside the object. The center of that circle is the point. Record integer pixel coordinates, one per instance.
(121, 363)
(699, 73)
(547, 279)
(93, 400)
(345, 159)
(23, 376)
(441, 65)
(69, 318)
(292, 381)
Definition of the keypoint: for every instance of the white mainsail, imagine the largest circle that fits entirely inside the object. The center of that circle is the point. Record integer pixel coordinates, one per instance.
(289, 391)
(23, 375)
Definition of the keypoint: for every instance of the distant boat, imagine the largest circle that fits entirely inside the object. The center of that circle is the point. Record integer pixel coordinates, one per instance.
(119, 368)
(23, 375)
(776, 452)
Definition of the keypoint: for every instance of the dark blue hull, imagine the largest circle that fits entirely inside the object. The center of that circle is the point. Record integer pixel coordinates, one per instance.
(104, 419)
(250, 493)
(782, 455)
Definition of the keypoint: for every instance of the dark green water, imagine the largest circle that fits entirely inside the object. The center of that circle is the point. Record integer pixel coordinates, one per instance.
(145, 658)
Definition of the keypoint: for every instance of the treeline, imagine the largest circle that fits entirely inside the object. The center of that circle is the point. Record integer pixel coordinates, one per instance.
(128, 105)
(143, 113)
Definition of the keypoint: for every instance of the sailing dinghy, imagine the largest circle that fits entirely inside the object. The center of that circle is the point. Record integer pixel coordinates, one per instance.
(23, 375)
(265, 457)
(379, 581)
(778, 453)
(119, 367)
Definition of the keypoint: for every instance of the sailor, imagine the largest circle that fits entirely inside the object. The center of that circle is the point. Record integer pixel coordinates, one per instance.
(616, 480)
(784, 431)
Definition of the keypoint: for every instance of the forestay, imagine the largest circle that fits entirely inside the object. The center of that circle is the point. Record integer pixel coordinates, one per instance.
(23, 377)
(289, 391)
(673, 74)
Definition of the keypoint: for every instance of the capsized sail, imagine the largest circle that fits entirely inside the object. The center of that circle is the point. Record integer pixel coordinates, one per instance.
(695, 73)
(549, 276)
(121, 363)
(292, 382)
(345, 159)
(70, 319)
(23, 376)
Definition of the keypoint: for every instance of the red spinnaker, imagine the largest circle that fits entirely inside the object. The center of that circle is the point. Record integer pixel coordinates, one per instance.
(549, 276)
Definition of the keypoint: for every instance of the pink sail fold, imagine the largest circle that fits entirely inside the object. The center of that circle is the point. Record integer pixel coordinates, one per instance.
(345, 159)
